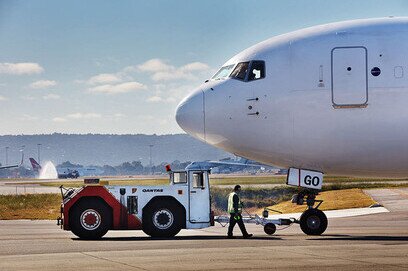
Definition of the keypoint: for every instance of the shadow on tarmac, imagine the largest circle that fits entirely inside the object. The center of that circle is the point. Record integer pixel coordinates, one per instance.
(176, 238)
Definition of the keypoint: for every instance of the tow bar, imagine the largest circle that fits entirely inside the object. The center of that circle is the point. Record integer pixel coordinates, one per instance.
(268, 224)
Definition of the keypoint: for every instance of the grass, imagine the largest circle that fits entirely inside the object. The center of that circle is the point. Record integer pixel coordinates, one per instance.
(256, 198)
(332, 200)
(31, 206)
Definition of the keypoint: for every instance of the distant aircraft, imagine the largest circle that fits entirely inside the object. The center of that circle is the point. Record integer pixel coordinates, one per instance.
(12, 166)
(66, 174)
(36, 167)
(15, 166)
(326, 99)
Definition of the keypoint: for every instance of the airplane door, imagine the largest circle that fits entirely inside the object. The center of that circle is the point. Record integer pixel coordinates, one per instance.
(349, 76)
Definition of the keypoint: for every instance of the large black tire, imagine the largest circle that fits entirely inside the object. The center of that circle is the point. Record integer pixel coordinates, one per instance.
(313, 222)
(90, 218)
(162, 219)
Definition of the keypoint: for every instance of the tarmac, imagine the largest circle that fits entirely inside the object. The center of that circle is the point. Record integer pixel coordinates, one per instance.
(365, 242)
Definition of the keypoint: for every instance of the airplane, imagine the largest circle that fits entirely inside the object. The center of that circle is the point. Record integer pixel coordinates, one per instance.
(16, 165)
(328, 99)
(10, 166)
(66, 174)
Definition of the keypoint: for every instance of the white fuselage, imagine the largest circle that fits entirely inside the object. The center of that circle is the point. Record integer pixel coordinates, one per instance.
(334, 99)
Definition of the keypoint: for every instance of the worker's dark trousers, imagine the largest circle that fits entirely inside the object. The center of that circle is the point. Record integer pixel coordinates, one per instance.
(232, 223)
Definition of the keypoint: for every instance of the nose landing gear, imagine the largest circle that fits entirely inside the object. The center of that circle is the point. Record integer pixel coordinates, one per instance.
(313, 221)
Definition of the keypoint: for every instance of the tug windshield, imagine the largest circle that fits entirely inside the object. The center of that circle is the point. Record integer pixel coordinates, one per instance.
(179, 177)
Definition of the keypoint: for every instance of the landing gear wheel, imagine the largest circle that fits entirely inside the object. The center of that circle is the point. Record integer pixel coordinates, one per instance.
(91, 219)
(162, 219)
(313, 222)
(269, 228)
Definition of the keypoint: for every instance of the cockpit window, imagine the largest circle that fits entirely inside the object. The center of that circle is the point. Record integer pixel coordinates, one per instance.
(223, 72)
(245, 71)
(240, 71)
(257, 70)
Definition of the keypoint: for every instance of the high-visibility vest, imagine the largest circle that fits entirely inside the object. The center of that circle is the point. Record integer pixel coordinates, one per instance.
(231, 204)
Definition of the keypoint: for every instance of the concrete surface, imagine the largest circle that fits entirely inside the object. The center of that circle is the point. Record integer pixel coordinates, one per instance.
(26, 186)
(368, 242)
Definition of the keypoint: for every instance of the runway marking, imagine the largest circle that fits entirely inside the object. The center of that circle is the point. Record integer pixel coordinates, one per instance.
(112, 261)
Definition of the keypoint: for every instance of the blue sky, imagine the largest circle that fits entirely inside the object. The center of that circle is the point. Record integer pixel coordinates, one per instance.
(122, 66)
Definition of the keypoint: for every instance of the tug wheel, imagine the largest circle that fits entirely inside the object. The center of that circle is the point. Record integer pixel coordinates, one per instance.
(162, 219)
(313, 222)
(90, 219)
(269, 228)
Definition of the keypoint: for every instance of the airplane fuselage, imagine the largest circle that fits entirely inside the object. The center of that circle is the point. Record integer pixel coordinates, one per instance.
(333, 98)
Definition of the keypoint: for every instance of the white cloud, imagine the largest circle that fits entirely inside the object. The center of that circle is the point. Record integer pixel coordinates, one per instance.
(77, 81)
(58, 119)
(171, 100)
(51, 96)
(155, 99)
(79, 115)
(104, 78)
(148, 118)
(119, 115)
(158, 99)
(118, 88)
(21, 68)
(177, 92)
(26, 117)
(155, 65)
(2, 98)
(173, 75)
(195, 66)
(130, 69)
(28, 98)
(161, 71)
(159, 87)
(43, 84)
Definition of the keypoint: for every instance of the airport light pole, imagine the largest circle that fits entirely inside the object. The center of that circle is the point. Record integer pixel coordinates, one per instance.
(7, 155)
(150, 159)
(22, 153)
(38, 153)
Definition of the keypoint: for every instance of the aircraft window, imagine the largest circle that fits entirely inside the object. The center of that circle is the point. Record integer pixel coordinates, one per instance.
(240, 71)
(223, 72)
(257, 70)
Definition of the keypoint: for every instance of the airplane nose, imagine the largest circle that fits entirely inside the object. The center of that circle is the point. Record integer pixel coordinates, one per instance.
(190, 115)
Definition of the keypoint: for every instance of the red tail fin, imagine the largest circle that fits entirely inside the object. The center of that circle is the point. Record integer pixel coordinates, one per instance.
(35, 165)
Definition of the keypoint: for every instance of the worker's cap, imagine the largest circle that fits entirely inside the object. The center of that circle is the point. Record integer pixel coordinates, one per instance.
(237, 187)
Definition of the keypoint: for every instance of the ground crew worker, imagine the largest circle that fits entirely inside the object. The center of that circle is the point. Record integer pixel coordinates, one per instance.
(235, 210)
